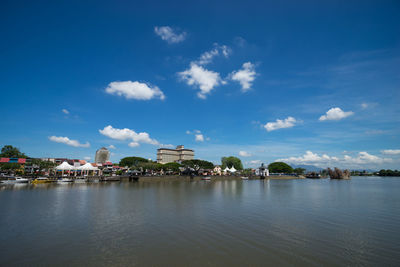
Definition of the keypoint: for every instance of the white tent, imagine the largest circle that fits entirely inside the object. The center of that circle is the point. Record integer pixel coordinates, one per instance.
(65, 167)
(226, 169)
(88, 167)
(232, 169)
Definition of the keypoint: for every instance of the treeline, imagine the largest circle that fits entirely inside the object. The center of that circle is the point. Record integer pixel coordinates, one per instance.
(146, 164)
(388, 173)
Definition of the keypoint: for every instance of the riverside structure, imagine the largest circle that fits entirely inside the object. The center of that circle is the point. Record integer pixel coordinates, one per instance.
(167, 155)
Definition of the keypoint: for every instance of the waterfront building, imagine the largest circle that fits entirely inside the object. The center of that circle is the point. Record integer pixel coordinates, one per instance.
(217, 170)
(102, 155)
(166, 155)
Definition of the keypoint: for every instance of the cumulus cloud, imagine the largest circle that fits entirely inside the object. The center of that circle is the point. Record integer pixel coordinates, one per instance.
(169, 35)
(87, 158)
(208, 56)
(363, 158)
(65, 111)
(335, 114)
(391, 151)
(199, 137)
(205, 80)
(280, 124)
(135, 90)
(67, 141)
(254, 162)
(245, 76)
(128, 134)
(244, 154)
(111, 147)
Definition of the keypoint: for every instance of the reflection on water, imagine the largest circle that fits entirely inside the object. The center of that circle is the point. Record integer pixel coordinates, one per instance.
(254, 222)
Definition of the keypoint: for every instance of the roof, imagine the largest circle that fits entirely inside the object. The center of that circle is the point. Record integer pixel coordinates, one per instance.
(4, 159)
(21, 160)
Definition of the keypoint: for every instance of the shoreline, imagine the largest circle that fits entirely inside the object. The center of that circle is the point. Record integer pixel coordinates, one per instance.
(171, 178)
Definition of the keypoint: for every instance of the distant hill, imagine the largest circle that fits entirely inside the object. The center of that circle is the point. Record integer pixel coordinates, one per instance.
(309, 168)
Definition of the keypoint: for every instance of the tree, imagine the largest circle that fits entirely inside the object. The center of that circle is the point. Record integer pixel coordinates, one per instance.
(11, 152)
(280, 167)
(10, 166)
(132, 161)
(172, 166)
(202, 164)
(231, 161)
(299, 171)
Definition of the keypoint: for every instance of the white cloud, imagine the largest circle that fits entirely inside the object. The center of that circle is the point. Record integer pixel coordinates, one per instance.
(67, 141)
(391, 151)
(335, 114)
(65, 111)
(208, 56)
(87, 158)
(364, 105)
(199, 138)
(279, 124)
(245, 76)
(254, 162)
(111, 147)
(128, 134)
(363, 158)
(205, 79)
(169, 35)
(135, 90)
(244, 154)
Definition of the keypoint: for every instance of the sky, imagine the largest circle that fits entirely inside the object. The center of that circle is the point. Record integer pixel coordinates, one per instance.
(304, 82)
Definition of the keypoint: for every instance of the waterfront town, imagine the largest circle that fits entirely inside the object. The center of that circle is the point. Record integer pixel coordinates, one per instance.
(170, 162)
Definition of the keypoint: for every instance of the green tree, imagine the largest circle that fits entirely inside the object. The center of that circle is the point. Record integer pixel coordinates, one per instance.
(280, 167)
(231, 161)
(203, 164)
(171, 166)
(7, 166)
(299, 171)
(132, 161)
(11, 152)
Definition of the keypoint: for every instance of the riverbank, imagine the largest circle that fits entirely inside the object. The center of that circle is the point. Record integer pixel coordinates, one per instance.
(171, 178)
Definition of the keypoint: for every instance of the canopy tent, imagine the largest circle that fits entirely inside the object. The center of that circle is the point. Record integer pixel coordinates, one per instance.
(88, 167)
(65, 167)
(227, 169)
(232, 169)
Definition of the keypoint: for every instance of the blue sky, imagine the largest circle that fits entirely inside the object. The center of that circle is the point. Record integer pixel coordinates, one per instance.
(308, 83)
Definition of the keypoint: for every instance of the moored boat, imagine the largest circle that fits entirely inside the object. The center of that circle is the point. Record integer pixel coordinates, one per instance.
(65, 180)
(206, 178)
(15, 180)
(41, 180)
(244, 178)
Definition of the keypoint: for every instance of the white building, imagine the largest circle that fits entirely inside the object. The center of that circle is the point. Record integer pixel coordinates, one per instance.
(102, 155)
(166, 155)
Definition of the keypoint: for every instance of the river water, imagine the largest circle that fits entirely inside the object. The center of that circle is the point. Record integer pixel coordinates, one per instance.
(218, 223)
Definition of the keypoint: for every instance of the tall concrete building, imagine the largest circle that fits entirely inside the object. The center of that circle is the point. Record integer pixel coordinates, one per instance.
(102, 155)
(166, 155)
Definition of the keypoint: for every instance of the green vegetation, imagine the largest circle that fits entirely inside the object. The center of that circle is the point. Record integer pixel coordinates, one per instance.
(231, 161)
(172, 166)
(203, 164)
(299, 171)
(388, 173)
(280, 167)
(42, 164)
(11, 152)
(132, 161)
(247, 172)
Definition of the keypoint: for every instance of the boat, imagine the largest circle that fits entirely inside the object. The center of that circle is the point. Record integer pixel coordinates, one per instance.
(15, 180)
(313, 175)
(206, 178)
(244, 178)
(65, 180)
(41, 180)
(80, 180)
(111, 179)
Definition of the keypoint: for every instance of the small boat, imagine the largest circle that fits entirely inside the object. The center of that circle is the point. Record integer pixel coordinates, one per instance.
(80, 180)
(15, 180)
(65, 180)
(244, 178)
(111, 179)
(313, 175)
(206, 178)
(41, 180)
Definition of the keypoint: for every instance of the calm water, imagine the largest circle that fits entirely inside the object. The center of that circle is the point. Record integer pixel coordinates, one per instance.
(231, 223)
